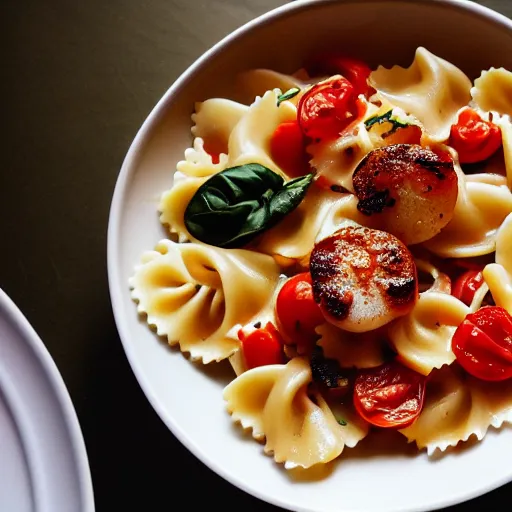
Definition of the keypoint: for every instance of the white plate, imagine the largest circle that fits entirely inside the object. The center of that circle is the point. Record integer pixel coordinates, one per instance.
(187, 396)
(43, 462)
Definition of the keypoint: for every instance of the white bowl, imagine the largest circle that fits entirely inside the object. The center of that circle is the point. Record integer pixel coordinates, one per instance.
(187, 396)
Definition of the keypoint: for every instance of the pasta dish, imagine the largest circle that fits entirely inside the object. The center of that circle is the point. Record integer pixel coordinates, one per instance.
(343, 236)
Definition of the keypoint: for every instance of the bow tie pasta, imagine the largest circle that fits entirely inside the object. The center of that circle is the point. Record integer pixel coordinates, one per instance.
(342, 236)
(458, 406)
(492, 91)
(480, 210)
(249, 141)
(194, 295)
(498, 276)
(298, 426)
(214, 121)
(431, 89)
(423, 338)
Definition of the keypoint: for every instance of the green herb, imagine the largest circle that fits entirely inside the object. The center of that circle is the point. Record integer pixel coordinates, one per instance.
(287, 95)
(342, 422)
(386, 118)
(235, 205)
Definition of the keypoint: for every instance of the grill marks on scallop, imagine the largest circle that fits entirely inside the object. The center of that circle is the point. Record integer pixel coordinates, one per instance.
(363, 278)
(413, 189)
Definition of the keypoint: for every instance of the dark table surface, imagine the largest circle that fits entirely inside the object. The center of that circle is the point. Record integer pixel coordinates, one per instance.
(79, 79)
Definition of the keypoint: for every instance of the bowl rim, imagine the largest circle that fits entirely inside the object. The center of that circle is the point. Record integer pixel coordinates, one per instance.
(122, 184)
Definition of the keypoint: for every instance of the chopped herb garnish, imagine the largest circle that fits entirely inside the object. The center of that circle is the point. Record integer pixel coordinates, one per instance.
(287, 95)
(386, 118)
(342, 422)
(257, 325)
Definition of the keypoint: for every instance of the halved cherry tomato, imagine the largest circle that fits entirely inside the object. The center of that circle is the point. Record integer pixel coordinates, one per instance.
(474, 139)
(328, 108)
(467, 284)
(354, 70)
(297, 312)
(288, 150)
(389, 396)
(262, 346)
(482, 344)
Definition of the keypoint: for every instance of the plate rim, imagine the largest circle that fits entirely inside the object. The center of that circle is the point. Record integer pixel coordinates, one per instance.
(15, 316)
(113, 234)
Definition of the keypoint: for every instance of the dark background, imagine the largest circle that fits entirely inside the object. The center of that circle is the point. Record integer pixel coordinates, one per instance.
(78, 80)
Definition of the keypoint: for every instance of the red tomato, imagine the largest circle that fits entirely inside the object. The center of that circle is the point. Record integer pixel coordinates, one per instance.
(297, 312)
(288, 150)
(354, 70)
(212, 151)
(473, 138)
(467, 284)
(389, 396)
(328, 108)
(262, 346)
(482, 344)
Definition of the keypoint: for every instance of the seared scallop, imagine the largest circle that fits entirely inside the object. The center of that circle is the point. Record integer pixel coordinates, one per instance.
(363, 278)
(412, 189)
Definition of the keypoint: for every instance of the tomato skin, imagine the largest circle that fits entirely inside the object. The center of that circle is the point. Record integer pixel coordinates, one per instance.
(482, 344)
(467, 285)
(262, 346)
(354, 70)
(474, 139)
(297, 312)
(389, 396)
(288, 150)
(328, 108)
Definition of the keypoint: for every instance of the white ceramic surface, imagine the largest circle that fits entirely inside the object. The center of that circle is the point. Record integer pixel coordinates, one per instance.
(43, 462)
(184, 394)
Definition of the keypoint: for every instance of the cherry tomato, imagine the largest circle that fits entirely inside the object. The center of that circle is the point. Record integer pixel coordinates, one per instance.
(297, 312)
(288, 150)
(482, 344)
(213, 152)
(473, 138)
(467, 284)
(354, 70)
(262, 346)
(389, 396)
(328, 108)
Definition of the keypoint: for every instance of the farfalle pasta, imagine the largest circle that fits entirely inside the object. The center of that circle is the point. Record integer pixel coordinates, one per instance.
(480, 210)
(215, 119)
(498, 276)
(342, 237)
(299, 429)
(491, 91)
(446, 88)
(423, 338)
(249, 140)
(458, 406)
(194, 295)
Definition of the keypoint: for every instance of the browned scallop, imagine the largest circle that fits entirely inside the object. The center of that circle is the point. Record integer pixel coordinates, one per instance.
(412, 189)
(363, 278)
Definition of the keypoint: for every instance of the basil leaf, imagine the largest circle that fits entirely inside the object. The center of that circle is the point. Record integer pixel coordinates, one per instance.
(287, 95)
(386, 118)
(236, 204)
